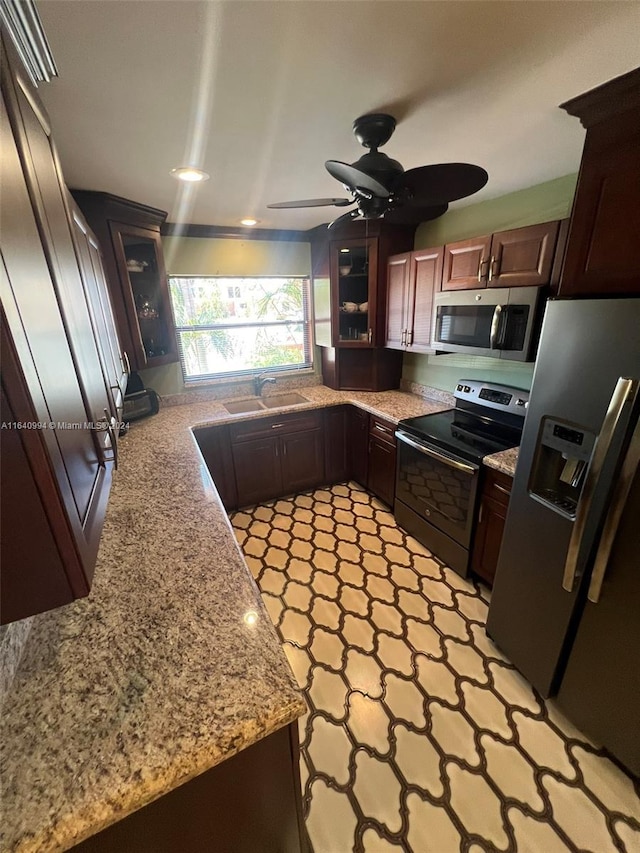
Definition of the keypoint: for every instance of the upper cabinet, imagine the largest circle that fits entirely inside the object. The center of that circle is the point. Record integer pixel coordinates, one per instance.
(129, 235)
(350, 301)
(412, 279)
(58, 407)
(603, 248)
(354, 294)
(521, 257)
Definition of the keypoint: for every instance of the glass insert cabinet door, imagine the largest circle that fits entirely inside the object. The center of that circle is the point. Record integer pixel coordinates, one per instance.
(353, 285)
(139, 256)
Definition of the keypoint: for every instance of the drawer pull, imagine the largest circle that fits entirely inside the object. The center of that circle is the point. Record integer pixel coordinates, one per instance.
(276, 426)
(502, 489)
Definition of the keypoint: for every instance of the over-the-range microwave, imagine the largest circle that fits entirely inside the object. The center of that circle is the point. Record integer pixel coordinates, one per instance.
(500, 322)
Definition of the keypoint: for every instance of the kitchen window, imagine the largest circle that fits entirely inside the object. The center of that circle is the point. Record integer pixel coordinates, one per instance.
(233, 326)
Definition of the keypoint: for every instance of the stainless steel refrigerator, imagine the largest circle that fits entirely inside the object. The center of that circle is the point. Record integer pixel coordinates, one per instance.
(565, 606)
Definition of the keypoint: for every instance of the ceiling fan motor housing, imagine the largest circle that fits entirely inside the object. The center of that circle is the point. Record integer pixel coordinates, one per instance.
(374, 129)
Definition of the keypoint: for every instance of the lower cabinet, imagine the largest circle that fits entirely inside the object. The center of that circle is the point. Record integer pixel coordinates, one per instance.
(357, 444)
(492, 515)
(250, 802)
(270, 457)
(266, 458)
(381, 478)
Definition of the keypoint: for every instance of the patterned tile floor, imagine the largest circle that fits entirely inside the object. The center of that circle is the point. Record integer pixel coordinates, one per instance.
(420, 735)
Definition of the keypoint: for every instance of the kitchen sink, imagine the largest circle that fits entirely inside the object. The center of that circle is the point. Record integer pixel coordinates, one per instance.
(239, 407)
(276, 400)
(255, 404)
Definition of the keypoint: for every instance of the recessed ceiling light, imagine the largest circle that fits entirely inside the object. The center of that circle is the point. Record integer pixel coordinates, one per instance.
(188, 173)
(248, 221)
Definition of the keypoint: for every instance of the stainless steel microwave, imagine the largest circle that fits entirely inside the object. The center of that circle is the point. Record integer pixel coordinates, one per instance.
(500, 322)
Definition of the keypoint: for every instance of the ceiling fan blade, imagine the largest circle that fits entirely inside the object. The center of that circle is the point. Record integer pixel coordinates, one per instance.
(355, 179)
(312, 202)
(441, 183)
(346, 217)
(412, 215)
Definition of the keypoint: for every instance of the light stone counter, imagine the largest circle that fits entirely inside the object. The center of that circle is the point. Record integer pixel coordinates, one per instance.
(505, 461)
(156, 676)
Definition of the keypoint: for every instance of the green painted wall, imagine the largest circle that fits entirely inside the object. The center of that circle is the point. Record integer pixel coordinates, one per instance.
(540, 203)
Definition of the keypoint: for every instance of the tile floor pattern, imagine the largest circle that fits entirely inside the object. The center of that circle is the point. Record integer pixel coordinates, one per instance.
(420, 735)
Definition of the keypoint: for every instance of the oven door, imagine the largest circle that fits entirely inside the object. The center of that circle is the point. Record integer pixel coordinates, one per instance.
(437, 486)
(496, 322)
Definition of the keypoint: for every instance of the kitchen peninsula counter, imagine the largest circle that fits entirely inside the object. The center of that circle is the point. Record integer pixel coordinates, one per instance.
(170, 666)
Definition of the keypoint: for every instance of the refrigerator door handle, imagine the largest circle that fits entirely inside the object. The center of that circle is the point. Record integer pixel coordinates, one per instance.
(627, 473)
(624, 392)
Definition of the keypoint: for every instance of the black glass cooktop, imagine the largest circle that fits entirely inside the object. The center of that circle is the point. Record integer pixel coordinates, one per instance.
(467, 435)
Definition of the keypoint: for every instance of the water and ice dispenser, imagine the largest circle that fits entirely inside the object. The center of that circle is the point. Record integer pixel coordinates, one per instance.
(560, 465)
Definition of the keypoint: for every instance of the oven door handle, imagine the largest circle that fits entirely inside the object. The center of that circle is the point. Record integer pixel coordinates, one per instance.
(441, 457)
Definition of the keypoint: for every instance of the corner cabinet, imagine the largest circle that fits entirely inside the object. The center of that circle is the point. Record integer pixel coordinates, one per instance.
(350, 301)
(603, 248)
(412, 280)
(129, 234)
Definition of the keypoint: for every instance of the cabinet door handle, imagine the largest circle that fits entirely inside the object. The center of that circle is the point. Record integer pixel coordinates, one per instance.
(494, 267)
(284, 449)
(410, 338)
(112, 439)
(276, 450)
(369, 335)
(403, 341)
(481, 272)
(502, 489)
(480, 513)
(127, 363)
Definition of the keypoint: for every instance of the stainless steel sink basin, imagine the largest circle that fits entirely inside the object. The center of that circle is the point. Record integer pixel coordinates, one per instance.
(276, 400)
(239, 407)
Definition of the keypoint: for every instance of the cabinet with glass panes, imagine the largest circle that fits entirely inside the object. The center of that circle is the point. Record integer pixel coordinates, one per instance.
(354, 276)
(129, 235)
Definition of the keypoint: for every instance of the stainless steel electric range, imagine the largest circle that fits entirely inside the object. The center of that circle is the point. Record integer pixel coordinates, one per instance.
(439, 464)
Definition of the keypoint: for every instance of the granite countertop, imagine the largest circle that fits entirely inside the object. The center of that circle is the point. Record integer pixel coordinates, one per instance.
(170, 665)
(504, 461)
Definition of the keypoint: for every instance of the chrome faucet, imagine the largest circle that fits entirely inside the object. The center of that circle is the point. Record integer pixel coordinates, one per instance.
(259, 382)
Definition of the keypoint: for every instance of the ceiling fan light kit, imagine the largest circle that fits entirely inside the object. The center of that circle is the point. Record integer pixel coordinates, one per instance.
(381, 189)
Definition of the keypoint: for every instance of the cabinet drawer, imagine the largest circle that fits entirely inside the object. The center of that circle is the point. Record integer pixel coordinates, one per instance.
(278, 425)
(382, 428)
(497, 486)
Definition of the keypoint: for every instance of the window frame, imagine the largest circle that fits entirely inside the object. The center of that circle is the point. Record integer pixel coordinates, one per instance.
(306, 321)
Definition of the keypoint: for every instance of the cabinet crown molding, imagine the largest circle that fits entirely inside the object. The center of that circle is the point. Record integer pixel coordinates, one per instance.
(22, 22)
(616, 96)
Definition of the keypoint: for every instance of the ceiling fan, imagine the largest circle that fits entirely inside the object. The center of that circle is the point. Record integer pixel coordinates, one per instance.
(381, 189)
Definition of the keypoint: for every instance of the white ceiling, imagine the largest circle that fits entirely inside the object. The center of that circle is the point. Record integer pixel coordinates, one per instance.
(260, 94)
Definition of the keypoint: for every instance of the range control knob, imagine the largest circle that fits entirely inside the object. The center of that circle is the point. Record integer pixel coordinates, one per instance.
(467, 389)
(460, 388)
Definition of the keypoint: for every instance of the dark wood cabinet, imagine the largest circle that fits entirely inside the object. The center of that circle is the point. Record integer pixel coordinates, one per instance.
(358, 444)
(215, 445)
(129, 236)
(465, 263)
(302, 460)
(520, 257)
(412, 279)
(277, 456)
(490, 527)
(349, 287)
(114, 367)
(336, 459)
(248, 803)
(523, 257)
(381, 479)
(257, 470)
(603, 247)
(57, 409)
